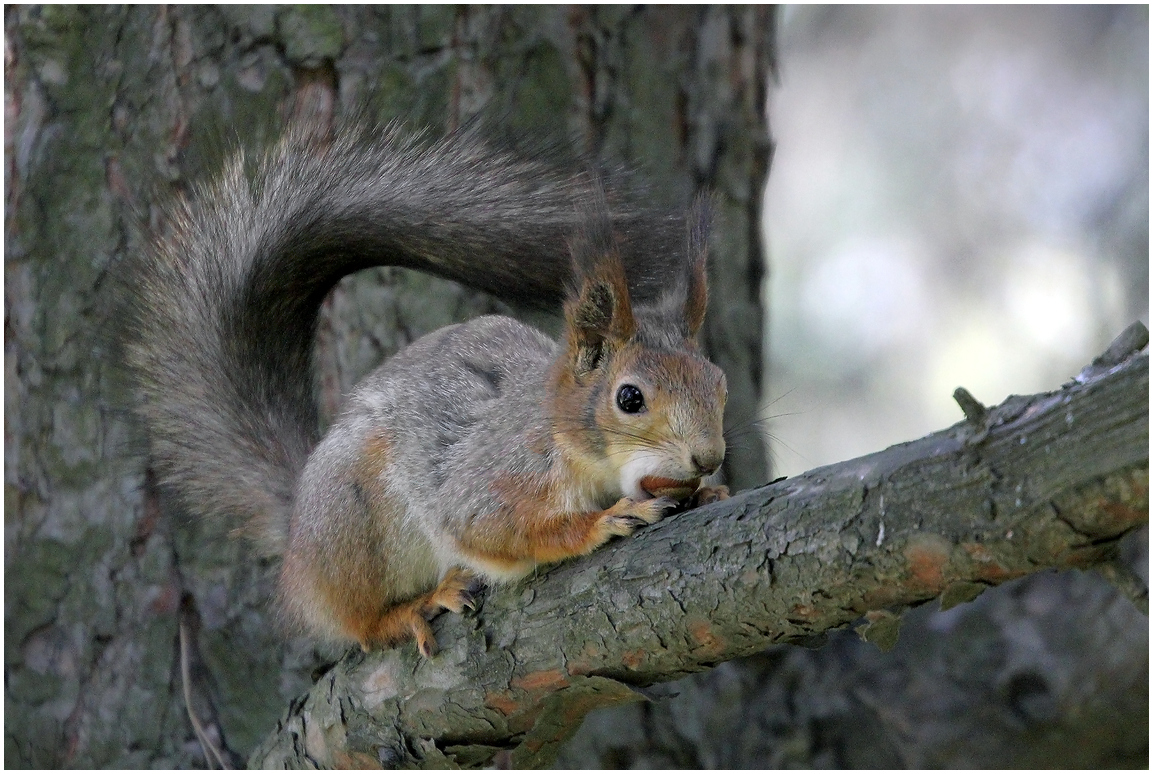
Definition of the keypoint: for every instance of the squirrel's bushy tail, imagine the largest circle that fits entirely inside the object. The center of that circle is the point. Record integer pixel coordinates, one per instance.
(223, 306)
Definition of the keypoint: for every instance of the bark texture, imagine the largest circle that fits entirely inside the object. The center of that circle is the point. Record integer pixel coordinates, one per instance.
(108, 108)
(1045, 481)
(1047, 671)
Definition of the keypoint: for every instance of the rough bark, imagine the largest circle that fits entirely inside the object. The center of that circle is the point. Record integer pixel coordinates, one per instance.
(1045, 481)
(1047, 671)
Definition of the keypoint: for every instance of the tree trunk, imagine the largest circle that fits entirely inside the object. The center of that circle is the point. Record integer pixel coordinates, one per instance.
(109, 108)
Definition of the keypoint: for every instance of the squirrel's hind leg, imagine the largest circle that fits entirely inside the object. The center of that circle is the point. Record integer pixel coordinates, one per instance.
(409, 620)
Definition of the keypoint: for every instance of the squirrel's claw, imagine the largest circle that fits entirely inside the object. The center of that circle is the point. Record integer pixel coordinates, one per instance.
(426, 642)
(454, 593)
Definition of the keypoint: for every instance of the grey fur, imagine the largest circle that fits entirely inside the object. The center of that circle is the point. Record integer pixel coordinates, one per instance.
(435, 404)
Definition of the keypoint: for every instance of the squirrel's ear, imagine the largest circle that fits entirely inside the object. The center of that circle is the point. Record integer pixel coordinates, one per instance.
(600, 317)
(697, 290)
(598, 314)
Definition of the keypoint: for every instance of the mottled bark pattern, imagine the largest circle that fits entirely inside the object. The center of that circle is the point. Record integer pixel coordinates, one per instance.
(1048, 671)
(1052, 480)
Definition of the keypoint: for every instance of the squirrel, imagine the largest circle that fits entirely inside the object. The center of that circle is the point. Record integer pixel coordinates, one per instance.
(476, 453)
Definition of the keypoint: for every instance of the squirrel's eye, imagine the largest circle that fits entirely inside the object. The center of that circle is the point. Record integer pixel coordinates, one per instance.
(630, 399)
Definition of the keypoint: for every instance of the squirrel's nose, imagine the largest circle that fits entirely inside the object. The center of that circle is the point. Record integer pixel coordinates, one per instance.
(707, 462)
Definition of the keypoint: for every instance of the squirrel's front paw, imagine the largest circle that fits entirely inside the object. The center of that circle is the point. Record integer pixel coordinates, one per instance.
(709, 494)
(455, 593)
(628, 514)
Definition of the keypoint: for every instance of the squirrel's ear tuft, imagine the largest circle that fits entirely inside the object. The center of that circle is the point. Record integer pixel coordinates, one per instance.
(697, 290)
(598, 313)
(685, 298)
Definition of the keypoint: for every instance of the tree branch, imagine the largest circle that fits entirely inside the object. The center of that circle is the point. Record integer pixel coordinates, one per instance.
(1045, 481)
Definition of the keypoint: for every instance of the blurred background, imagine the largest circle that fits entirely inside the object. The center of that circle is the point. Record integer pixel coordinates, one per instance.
(959, 197)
